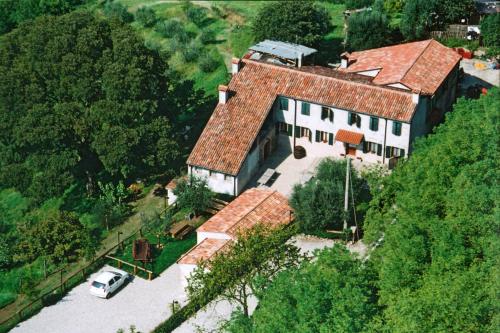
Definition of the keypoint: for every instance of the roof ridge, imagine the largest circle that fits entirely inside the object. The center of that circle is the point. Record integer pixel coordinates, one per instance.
(409, 68)
(253, 209)
(376, 87)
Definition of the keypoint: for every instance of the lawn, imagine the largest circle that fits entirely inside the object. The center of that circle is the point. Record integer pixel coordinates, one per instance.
(172, 250)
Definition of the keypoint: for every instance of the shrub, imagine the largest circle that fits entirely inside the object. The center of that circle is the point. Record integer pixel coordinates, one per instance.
(146, 16)
(197, 15)
(191, 52)
(207, 36)
(356, 4)
(169, 28)
(208, 63)
(117, 10)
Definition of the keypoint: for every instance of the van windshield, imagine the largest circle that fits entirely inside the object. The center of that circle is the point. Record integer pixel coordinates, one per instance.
(98, 285)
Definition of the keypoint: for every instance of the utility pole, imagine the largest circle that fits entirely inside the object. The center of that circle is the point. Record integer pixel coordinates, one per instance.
(346, 197)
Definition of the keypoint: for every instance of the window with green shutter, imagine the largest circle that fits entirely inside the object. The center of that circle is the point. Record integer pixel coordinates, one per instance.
(318, 134)
(283, 103)
(330, 139)
(305, 109)
(289, 129)
(396, 128)
(374, 124)
(350, 118)
(297, 131)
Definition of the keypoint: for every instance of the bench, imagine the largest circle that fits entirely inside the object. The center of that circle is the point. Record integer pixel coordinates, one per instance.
(266, 176)
(181, 230)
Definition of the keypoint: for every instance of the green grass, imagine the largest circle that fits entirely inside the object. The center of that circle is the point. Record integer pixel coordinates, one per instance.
(162, 258)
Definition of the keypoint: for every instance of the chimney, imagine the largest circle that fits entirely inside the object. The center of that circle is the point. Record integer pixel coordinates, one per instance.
(300, 56)
(223, 94)
(344, 60)
(235, 65)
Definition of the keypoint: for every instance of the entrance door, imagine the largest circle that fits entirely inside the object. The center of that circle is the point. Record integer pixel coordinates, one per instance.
(351, 150)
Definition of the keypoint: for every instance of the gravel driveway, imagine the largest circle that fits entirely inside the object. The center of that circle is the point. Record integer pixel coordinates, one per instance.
(142, 303)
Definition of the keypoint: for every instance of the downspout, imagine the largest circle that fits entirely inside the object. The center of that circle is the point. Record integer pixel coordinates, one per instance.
(385, 140)
(294, 124)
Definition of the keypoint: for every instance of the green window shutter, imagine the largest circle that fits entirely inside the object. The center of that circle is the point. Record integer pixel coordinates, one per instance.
(277, 128)
(324, 113)
(331, 115)
(349, 118)
(289, 129)
(317, 136)
(387, 151)
(297, 131)
(365, 147)
(358, 121)
(284, 103)
(379, 149)
(401, 153)
(396, 128)
(306, 108)
(373, 123)
(330, 139)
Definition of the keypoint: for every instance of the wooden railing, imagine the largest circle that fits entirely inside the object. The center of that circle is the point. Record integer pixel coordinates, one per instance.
(121, 262)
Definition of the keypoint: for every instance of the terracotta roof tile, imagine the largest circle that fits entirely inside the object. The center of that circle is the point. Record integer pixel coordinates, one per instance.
(233, 126)
(349, 137)
(421, 66)
(203, 251)
(254, 206)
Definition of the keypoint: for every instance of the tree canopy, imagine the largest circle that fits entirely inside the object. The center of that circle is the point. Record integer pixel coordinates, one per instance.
(436, 224)
(490, 30)
(367, 30)
(300, 22)
(319, 203)
(80, 98)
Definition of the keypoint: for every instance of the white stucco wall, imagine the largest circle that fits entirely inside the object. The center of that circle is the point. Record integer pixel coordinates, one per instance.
(217, 182)
(201, 235)
(247, 170)
(185, 271)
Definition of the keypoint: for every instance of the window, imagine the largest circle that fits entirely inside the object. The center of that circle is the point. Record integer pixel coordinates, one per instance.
(282, 127)
(394, 152)
(306, 109)
(354, 118)
(210, 173)
(227, 177)
(396, 128)
(374, 123)
(326, 112)
(372, 147)
(324, 137)
(283, 103)
(301, 132)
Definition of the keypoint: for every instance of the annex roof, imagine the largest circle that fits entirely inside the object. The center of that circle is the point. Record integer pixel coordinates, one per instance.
(421, 66)
(205, 250)
(256, 205)
(233, 126)
(349, 137)
(282, 49)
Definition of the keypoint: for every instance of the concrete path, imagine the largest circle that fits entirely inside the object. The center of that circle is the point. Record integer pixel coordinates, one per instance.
(142, 303)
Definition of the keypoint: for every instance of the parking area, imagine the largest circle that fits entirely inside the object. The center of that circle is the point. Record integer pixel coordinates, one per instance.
(142, 303)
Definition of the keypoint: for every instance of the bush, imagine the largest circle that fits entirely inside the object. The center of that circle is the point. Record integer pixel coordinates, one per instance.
(117, 10)
(169, 28)
(191, 52)
(197, 15)
(146, 16)
(357, 4)
(208, 63)
(207, 36)
(490, 30)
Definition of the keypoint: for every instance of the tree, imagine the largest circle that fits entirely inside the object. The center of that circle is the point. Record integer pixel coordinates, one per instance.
(357, 4)
(245, 268)
(59, 236)
(300, 22)
(490, 30)
(438, 250)
(118, 11)
(94, 107)
(146, 16)
(319, 203)
(334, 293)
(367, 30)
(193, 194)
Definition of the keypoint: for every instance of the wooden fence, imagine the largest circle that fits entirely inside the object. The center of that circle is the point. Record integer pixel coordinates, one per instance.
(134, 266)
(56, 293)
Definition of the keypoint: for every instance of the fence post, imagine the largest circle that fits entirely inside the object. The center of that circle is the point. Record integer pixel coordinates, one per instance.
(135, 269)
(149, 276)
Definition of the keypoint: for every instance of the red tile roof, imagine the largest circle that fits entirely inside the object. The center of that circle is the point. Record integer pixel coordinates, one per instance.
(203, 251)
(349, 137)
(421, 66)
(253, 206)
(233, 126)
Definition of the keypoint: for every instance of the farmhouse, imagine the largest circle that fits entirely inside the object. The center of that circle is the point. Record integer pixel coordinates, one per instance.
(371, 109)
(256, 205)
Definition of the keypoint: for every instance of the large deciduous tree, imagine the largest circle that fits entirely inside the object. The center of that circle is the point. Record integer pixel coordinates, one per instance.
(367, 30)
(80, 97)
(319, 203)
(245, 268)
(436, 225)
(300, 22)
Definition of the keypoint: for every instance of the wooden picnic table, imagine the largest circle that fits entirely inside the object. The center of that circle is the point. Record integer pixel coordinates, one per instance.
(266, 176)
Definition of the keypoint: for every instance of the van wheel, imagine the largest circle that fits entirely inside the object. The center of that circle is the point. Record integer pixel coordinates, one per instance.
(107, 295)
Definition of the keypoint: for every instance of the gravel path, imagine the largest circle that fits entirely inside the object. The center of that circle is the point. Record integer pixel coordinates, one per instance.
(142, 303)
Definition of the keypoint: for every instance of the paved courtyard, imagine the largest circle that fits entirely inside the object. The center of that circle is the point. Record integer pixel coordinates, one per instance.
(142, 303)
